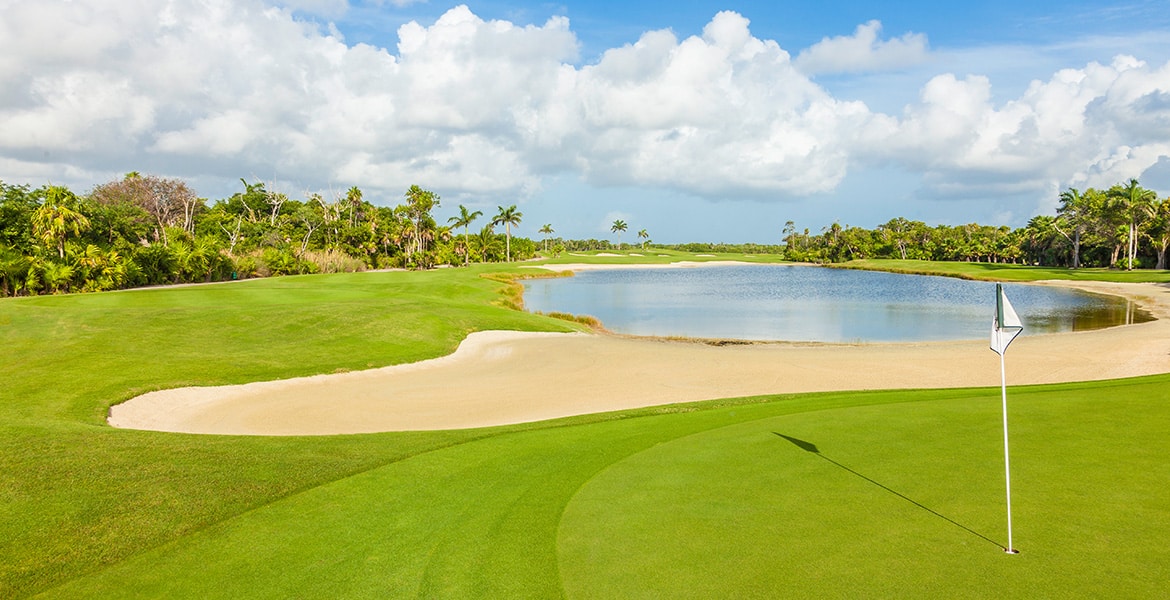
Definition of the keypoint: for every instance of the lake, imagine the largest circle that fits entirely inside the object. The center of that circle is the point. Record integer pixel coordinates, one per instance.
(800, 303)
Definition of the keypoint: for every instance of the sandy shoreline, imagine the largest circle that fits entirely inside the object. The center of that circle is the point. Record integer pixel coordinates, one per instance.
(497, 378)
(682, 264)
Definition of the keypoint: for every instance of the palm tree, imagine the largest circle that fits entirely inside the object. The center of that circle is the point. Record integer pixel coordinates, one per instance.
(443, 234)
(642, 235)
(353, 199)
(546, 231)
(402, 236)
(54, 219)
(1042, 240)
(1135, 203)
(461, 248)
(13, 271)
(56, 276)
(508, 217)
(1077, 210)
(618, 227)
(464, 220)
(487, 241)
(181, 250)
(89, 260)
(204, 258)
(113, 272)
(96, 269)
(419, 203)
(1160, 231)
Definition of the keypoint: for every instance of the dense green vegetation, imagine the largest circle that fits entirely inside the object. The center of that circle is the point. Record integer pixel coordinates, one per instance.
(148, 230)
(1126, 226)
(705, 499)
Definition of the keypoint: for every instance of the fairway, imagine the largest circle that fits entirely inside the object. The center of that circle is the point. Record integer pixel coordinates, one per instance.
(902, 498)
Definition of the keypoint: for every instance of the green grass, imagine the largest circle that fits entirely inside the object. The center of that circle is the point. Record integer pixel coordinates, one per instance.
(1006, 272)
(635, 255)
(904, 499)
(78, 495)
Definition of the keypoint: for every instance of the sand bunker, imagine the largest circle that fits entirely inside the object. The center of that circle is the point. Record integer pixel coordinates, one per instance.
(497, 378)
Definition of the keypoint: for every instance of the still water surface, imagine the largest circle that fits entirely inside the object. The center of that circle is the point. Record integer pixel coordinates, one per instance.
(796, 303)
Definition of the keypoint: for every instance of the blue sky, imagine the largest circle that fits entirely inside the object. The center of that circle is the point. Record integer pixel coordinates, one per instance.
(604, 24)
(698, 121)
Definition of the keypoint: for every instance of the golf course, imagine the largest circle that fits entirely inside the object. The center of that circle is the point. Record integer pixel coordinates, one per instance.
(852, 474)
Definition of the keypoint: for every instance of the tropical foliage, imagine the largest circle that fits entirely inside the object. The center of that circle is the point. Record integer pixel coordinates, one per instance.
(1125, 226)
(508, 217)
(618, 227)
(149, 230)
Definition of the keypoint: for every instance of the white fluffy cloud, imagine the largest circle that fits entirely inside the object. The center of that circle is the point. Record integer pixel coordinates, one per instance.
(863, 51)
(1093, 126)
(721, 113)
(221, 89)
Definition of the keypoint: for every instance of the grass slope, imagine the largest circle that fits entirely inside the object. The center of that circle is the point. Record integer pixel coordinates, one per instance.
(78, 495)
(699, 498)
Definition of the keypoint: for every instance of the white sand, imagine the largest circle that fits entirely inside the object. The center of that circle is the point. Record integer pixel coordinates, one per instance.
(509, 377)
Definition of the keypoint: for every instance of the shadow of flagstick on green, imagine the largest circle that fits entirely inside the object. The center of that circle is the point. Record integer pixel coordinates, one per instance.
(812, 449)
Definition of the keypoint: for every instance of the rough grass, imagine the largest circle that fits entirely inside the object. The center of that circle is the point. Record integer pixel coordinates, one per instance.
(77, 495)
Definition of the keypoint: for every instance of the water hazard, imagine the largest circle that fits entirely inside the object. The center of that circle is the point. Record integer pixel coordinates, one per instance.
(796, 303)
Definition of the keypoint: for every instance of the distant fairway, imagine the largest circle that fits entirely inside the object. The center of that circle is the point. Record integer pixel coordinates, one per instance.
(904, 497)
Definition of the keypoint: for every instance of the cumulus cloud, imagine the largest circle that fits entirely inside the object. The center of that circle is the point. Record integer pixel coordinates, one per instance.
(251, 87)
(862, 51)
(716, 114)
(1092, 126)
(219, 89)
(325, 8)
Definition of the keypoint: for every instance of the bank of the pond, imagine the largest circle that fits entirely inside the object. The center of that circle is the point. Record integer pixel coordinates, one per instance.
(509, 377)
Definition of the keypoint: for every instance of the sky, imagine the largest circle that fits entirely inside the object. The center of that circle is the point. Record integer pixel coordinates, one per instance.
(696, 121)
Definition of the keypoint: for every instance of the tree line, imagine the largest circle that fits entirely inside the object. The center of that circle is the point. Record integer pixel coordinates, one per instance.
(147, 230)
(1125, 226)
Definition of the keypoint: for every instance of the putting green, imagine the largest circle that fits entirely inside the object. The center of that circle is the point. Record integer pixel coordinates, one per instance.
(902, 499)
(894, 500)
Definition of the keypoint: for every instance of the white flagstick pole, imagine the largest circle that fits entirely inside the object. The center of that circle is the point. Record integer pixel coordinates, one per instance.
(1005, 318)
(1007, 470)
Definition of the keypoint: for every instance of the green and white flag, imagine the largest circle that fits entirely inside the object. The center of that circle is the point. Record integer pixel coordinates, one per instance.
(1004, 328)
(1006, 325)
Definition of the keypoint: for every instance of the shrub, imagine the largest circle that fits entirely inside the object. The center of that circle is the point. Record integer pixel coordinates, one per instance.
(333, 261)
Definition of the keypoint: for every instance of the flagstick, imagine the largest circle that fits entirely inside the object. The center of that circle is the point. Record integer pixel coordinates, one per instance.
(1007, 470)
